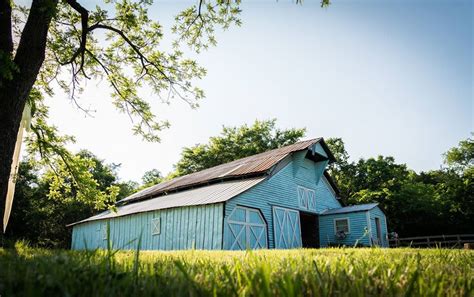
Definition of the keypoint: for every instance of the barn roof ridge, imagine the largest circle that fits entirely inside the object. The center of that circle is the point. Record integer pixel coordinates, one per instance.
(250, 166)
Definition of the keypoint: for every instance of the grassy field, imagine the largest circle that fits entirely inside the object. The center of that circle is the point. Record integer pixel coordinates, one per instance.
(339, 272)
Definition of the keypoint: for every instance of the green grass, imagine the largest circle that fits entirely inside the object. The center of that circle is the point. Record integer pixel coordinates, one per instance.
(26, 271)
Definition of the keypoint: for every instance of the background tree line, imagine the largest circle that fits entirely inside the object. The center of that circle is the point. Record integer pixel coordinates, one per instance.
(433, 202)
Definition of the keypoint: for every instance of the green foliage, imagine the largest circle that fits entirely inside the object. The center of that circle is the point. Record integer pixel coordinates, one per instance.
(461, 158)
(68, 174)
(195, 25)
(339, 151)
(80, 185)
(152, 177)
(302, 272)
(122, 45)
(127, 188)
(428, 203)
(235, 143)
(45, 203)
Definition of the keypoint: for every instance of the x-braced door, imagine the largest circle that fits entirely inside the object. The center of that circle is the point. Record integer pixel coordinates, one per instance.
(246, 229)
(286, 225)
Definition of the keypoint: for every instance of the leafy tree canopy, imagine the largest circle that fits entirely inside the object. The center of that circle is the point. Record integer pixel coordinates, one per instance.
(235, 143)
(152, 177)
(461, 158)
(41, 218)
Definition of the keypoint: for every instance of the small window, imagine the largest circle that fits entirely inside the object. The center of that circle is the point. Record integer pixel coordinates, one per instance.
(155, 226)
(341, 225)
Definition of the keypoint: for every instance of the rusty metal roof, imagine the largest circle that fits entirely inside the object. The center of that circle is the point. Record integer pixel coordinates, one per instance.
(245, 167)
(215, 193)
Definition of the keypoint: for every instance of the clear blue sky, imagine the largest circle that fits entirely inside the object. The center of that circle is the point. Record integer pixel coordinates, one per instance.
(389, 77)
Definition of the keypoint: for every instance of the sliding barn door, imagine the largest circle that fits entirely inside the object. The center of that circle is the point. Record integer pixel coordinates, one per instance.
(286, 225)
(246, 229)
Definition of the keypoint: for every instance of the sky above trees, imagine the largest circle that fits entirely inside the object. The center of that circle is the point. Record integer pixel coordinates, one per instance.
(388, 77)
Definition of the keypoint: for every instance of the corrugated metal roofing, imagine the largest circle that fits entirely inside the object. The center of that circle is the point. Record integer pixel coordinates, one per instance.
(215, 193)
(352, 208)
(256, 164)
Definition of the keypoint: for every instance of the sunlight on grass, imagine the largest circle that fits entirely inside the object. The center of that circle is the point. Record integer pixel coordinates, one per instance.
(303, 272)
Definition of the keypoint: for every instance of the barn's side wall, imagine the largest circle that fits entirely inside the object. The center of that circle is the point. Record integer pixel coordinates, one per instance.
(358, 224)
(197, 227)
(377, 212)
(281, 190)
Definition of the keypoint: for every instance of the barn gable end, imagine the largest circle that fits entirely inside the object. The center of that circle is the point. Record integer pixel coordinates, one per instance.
(281, 191)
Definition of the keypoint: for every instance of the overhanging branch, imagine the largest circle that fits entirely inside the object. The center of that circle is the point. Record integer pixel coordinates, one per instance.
(85, 30)
(83, 43)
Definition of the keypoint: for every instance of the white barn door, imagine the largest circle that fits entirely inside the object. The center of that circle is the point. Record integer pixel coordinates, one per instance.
(286, 226)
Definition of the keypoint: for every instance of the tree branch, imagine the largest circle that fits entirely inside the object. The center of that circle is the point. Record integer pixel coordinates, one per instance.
(85, 29)
(144, 60)
(198, 16)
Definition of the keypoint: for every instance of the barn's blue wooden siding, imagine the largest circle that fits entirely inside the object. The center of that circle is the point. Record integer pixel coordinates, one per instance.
(377, 212)
(281, 190)
(358, 224)
(197, 227)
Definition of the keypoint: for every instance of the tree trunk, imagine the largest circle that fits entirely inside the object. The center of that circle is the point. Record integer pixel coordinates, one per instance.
(6, 43)
(14, 92)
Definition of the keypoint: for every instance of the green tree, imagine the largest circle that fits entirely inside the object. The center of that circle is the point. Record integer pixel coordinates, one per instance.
(41, 218)
(151, 177)
(454, 200)
(339, 151)
(235, 143)
(127, 188)
(379, 174)
(461, 158)
(455, 186)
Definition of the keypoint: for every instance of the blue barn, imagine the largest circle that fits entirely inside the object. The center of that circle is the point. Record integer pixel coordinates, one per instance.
(281, 199)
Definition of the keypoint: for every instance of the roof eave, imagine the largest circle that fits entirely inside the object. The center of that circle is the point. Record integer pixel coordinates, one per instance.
(331, 157)
(332, 182)
(375, 204)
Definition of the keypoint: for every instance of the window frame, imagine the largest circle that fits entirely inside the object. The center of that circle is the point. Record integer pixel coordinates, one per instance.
(342, 219)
